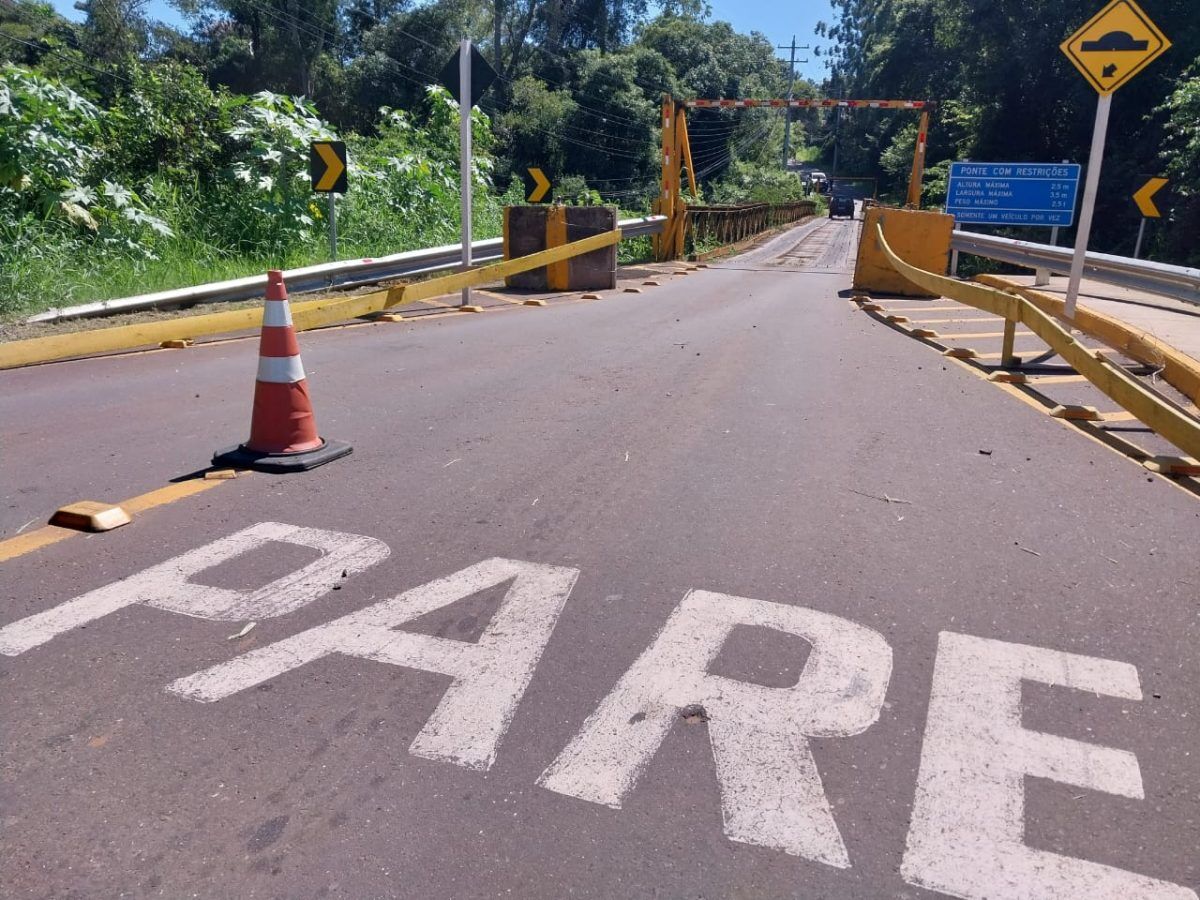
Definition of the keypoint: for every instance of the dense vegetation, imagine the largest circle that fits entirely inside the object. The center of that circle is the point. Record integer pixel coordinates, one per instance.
(136, 157)
(1006, 93)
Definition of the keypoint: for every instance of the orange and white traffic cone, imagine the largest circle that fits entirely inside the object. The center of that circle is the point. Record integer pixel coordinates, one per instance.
(283, 431)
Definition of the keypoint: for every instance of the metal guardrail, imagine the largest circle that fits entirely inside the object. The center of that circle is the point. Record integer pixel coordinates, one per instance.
(344, 273)
(1179, 282)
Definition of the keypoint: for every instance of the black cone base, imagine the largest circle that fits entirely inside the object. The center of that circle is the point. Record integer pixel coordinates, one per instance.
(242, 457)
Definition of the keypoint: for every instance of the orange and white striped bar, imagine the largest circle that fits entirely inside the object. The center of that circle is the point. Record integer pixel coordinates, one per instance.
(279, 351)
(806, 104)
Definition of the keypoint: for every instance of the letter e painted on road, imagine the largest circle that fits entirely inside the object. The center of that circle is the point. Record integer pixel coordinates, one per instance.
(968, 824)
(490, 675)
(771, 791)
(167, 584)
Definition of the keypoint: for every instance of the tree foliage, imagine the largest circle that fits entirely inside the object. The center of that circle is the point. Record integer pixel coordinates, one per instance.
(1006, 92)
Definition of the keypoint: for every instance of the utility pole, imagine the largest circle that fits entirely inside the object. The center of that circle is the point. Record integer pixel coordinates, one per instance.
(787, 113)
(497, 18)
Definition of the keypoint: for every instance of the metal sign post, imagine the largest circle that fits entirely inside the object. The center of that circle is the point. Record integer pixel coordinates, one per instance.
(464, 157)
(1090, 187)
(327, 169)
(333, 227)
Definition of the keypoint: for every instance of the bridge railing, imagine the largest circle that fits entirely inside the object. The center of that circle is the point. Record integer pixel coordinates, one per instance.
(733, 223)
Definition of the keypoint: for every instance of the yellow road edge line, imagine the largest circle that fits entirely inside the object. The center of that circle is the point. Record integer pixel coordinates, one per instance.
(974, 320)
(981, 334)
(22, 544)
(34, 540)
(1054, 379)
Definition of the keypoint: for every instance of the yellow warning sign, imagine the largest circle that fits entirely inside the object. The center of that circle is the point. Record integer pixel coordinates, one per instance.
(1116, 44)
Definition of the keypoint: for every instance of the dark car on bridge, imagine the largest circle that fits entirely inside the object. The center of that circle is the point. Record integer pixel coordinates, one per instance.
(841, 205)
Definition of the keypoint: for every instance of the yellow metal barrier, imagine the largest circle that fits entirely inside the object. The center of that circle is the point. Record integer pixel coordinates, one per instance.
(1156, 411)
(308, 315)
(1179, 370)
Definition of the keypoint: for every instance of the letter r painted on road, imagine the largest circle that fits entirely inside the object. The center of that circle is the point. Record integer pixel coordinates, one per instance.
(968, 825)
(490, 675)
(167, 586)
(771, 791)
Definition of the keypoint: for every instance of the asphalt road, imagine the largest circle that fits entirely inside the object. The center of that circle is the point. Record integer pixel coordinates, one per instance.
(739, 432)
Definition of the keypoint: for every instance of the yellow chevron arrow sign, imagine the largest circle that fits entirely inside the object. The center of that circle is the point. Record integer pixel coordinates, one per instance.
(541, 185)
(327, 166)
(1144, 197)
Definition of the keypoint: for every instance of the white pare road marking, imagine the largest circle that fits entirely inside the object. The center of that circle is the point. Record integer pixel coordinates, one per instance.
(490, 676)
(968, 825)
(771, 792)
(166, 585)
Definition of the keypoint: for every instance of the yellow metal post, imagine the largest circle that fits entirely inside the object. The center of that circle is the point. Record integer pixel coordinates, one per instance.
(687, 153)
(679, 214)
(1006, 348)
(556, 236)
(918, 166)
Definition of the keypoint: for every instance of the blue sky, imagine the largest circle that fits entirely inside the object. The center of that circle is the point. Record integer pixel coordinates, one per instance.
(746, 15)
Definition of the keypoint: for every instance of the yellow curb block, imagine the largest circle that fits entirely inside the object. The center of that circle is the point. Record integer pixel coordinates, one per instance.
(650, 283)
(1173, 465)
(533, 302)
(870, 307)
(90, 515)
(632, 290)
(923, 332)
(178, 344)
(391, 317)
(960, 353)
(1009, 377)
(1076, 413)
(220, 474)
(589, 296)
(469, 309)
(899, 320)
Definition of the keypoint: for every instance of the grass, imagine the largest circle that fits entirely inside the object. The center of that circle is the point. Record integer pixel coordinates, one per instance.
(44, 273)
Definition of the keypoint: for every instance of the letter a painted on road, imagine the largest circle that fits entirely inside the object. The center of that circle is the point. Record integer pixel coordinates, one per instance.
(1114, 45)
(327, 166)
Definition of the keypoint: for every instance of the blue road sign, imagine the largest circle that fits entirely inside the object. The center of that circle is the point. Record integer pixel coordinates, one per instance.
(1013, 193)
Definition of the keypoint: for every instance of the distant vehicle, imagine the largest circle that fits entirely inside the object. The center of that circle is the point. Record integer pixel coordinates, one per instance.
(819, 181)
(841, 205)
